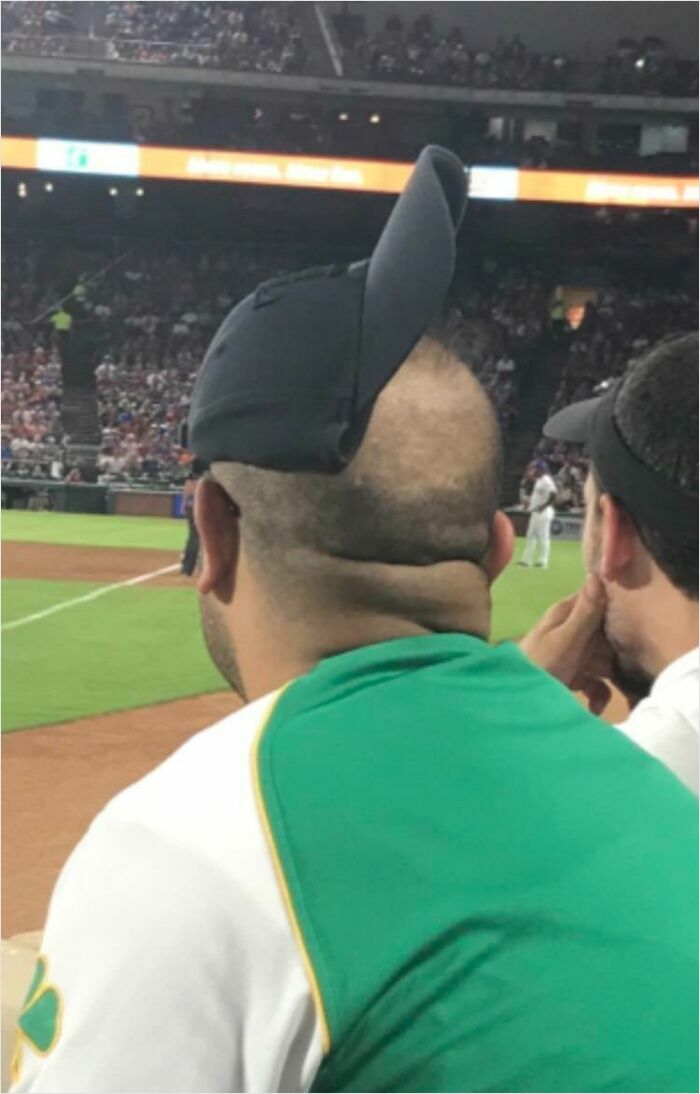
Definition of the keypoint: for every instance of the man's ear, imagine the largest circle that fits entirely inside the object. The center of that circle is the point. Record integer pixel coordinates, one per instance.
(501, 546)
(618, 541)
(217, 522)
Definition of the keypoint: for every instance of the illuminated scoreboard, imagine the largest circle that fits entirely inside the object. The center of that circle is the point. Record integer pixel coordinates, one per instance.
(87, 157)
(370, 176)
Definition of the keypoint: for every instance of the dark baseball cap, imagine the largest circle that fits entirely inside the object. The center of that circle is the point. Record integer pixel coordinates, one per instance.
(649, 496)
(292, 374)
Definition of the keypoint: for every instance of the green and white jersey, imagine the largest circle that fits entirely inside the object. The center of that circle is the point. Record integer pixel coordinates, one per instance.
(420, 867)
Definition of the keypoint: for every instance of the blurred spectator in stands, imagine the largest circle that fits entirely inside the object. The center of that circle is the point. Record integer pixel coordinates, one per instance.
(615, 330)
(37, 17)
(262, 37)
(420, 54)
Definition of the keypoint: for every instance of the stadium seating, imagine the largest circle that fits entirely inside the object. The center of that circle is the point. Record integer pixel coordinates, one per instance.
(614, 331)
(157, 313)
(156, 317)
(417, 52)
(269, 38)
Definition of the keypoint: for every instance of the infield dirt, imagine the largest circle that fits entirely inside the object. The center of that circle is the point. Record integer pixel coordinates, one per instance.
(55, 780)
(104, 565)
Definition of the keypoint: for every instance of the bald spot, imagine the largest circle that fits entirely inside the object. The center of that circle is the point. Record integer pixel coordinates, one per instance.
(421, 492)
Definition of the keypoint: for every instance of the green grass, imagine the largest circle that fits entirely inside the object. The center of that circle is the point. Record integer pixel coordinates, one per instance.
(83, 530)
(21, 597)
(129, 648)
(520, 595)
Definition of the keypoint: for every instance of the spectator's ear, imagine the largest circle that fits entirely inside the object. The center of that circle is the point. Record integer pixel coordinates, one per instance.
(619, 541)
(501, 546)
(217, 523)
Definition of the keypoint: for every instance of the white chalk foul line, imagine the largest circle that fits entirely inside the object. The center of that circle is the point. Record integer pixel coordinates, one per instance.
(88, 596)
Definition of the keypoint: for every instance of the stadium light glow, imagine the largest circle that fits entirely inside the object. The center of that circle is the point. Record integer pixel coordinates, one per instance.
(139, 191)
(328, 173)
(48, 187)
(22, 190)
(374, 119)
(113, 191)
(343, 116)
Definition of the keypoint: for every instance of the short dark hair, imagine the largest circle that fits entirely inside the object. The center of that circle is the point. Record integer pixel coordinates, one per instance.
(657, 415)
(423, 488)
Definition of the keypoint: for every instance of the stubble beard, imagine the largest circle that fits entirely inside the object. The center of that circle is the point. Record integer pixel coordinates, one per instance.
(220, 645)
(628, 674)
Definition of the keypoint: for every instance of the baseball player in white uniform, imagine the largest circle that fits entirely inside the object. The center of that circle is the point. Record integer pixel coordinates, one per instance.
(541, 512)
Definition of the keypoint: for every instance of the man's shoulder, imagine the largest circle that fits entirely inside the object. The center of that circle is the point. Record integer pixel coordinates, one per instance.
(201, 790)
(666, 724)
(675, 691)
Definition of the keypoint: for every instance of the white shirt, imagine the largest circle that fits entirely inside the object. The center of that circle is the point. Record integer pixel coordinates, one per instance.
(541, 492)
(666, 723)
(169, 942)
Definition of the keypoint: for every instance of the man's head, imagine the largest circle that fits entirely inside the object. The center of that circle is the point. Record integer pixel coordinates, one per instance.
(650, 568)
(355, 464)
(405, 540)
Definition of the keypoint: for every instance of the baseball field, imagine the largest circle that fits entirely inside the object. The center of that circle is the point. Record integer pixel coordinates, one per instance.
(105, 673)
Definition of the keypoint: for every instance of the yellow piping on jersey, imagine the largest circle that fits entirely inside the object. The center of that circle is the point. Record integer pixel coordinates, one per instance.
(281, 879)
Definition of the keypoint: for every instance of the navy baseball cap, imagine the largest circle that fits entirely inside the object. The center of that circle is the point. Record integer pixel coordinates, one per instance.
(647, 495)
(291, 376)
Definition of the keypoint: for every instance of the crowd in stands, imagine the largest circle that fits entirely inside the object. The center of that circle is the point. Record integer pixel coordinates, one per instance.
(268, 37)
(43, 28)
(497, 324)
(254, 36)
(157, 313)
(41, 17)
(615, 330)
(419, 54)
(646, 68)
(157, 316)
(261, 37)
(31, 412)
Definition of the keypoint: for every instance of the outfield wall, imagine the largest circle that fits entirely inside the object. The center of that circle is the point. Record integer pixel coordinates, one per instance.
(123, 501)
(64, 497)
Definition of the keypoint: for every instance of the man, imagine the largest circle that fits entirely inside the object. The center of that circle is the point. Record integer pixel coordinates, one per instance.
(188, 558)
(190, 555)
(557, 317)
(412, 861)
(641, 539)
(541, 511)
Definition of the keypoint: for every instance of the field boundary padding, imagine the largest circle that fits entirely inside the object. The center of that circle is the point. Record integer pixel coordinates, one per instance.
(34, 617)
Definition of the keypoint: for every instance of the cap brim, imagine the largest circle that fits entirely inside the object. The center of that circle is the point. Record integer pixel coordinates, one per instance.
(573, 423)
(411, 268)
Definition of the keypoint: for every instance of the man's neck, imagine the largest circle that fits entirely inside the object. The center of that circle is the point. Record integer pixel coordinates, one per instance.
(282, 646)
(672, 631)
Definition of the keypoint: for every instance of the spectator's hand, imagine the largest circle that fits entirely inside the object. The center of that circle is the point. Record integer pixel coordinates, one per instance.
(570, 644)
